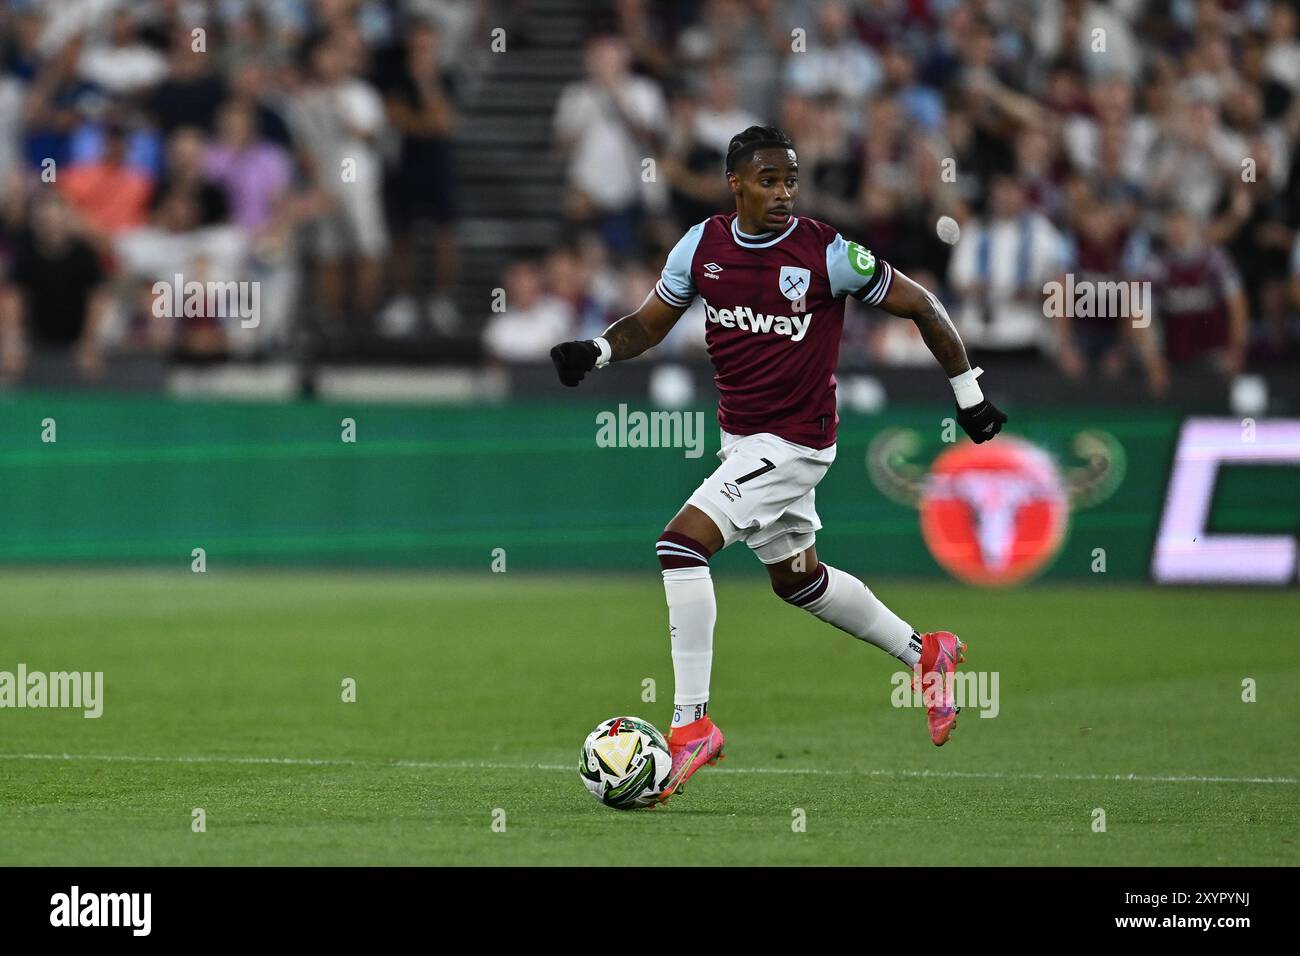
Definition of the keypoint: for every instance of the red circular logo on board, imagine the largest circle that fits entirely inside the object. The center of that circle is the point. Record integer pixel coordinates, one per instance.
(996, 513)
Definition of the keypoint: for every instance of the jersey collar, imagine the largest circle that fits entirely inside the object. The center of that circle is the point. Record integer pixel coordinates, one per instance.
(763, 240)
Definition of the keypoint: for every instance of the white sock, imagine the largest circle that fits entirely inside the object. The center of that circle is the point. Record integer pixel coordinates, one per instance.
(692, 612)
(684, 714)
(850, 606)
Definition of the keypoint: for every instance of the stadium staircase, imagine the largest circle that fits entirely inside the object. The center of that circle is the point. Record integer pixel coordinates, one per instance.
(511, 178)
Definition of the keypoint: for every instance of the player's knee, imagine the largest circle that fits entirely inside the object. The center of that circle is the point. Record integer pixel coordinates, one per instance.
(676, 551)
(801, 589)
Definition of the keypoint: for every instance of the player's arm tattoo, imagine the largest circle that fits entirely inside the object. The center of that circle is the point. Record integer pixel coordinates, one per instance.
(940, 336)
(643, 329)
(628, 338)
(908, 300)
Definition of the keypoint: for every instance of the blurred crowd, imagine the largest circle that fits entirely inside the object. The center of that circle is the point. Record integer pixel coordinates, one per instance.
(1136, 141)
(309, 145)
(299, 147)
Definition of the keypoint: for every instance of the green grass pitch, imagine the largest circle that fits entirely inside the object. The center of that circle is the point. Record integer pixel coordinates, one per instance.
(223, 692)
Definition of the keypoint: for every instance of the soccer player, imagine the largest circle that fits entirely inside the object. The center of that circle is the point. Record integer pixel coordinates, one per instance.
(773, 287)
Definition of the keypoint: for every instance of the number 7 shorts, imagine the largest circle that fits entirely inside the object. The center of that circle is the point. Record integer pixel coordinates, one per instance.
(763, 494)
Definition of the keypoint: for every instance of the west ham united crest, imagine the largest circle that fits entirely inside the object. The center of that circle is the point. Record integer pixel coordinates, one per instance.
(794, 282)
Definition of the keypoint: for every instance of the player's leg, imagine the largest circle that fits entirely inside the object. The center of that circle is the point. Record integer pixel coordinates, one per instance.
(694, 523)
(697, 532)
(840, 599)
(837, 597)
(719, 512)
(785, 543)
(684, 549)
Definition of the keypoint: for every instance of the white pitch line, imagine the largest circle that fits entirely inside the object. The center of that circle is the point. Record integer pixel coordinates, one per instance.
(487, 765)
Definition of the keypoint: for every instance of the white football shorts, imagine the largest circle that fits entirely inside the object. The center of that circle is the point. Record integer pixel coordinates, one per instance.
(763, 494)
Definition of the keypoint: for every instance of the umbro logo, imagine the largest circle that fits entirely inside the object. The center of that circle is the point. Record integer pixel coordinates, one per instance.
(711, 270)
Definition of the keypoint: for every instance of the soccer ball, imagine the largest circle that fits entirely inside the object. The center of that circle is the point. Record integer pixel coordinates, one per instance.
(625, 763)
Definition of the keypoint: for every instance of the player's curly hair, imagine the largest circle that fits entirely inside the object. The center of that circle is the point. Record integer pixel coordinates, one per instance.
(743, 145)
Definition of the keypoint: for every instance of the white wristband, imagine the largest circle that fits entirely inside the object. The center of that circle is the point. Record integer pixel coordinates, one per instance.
(966, 388)
(602, 346)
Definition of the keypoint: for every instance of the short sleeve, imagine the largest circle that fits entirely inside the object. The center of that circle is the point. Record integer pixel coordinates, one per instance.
(362, 107)
(651, 106)
(571, 113)
(854, 270)
(675, 285)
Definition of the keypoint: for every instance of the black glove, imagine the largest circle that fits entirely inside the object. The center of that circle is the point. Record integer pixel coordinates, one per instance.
(981, 421)
(573, 360)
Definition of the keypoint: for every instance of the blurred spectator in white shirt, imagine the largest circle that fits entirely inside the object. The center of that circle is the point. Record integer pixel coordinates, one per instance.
(337, 120)
(999, 268)
(749, 38)
(835, 63)
(1196, 156)
(122, 64)
(1111, 98)
(608, 126)
(533, 320)
(1095, 35)
(1282, 58)
(177, 243)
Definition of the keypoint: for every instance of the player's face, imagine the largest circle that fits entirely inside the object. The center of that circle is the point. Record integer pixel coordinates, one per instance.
(766, 188)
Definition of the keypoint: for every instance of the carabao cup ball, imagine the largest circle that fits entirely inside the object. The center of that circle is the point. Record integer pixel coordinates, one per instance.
(625, 763)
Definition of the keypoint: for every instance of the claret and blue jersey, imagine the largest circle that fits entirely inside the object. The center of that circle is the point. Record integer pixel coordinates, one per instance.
(775, 310)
